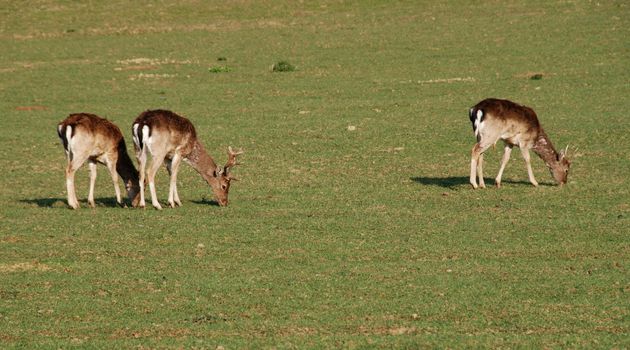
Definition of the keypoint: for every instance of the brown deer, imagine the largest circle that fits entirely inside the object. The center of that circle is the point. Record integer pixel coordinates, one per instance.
(494, 119)
(171, 138)
(97, 140)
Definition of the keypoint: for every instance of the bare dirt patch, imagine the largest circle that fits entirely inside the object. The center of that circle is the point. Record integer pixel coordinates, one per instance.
(31, 108)
(24, 267)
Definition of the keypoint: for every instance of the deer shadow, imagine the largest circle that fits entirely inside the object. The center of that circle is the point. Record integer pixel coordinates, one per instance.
(63, 202)
(206, 202)
(452, 182)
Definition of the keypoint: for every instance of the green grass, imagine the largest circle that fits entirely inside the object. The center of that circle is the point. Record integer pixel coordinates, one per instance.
(353, 225)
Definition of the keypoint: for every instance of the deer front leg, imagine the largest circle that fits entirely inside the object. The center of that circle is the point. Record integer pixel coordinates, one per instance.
(530, 172)
(506, 157)
(111, 165)
(74, 162)
(92, 166)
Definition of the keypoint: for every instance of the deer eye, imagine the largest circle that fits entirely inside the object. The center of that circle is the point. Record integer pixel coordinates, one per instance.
(223, 187)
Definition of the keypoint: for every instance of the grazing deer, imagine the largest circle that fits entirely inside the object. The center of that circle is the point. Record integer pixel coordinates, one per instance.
(494, 119)
(172, 138)
(97, 140)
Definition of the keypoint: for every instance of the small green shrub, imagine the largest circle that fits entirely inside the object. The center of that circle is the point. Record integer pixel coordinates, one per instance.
(283, 66)
(219, 69)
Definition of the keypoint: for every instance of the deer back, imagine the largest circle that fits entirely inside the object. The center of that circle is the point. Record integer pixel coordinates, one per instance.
(504, 119)
(169, 129)
(99, 135)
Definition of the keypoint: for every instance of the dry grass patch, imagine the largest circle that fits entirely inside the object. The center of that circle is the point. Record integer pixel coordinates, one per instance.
(24, 267)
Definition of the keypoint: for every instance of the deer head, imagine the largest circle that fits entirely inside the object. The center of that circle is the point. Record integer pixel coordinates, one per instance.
(133, 192)
(223, 177)
(560, 171)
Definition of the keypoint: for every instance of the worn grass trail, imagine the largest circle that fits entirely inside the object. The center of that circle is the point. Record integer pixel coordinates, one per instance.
(353, 224)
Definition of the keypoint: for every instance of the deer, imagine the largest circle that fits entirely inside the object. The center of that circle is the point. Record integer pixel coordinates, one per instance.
(170, 138)
(493, 119)
(88, 137)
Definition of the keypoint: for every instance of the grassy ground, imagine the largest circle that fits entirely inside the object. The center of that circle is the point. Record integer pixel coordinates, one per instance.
(353, 225)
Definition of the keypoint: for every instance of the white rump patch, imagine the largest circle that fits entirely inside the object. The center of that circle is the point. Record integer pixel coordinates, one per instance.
(145, 136)
(135, 135)
(478, 123)
(69, 137)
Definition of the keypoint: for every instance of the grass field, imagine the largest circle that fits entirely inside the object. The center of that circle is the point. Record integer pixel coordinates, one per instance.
(353, 224)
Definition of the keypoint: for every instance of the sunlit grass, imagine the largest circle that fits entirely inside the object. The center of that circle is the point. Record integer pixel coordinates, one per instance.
(353, 224)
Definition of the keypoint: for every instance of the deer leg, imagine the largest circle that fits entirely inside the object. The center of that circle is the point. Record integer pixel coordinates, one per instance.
(92, 166)
(473, 165)
(111, 165)
(476, 159)
(480, 171)
(156, 162)
(530, 172)
(74, 162)
(141, 155)
(172, 165)
(506, 157)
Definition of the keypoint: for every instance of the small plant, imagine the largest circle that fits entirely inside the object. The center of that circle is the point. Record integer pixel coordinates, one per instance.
(283, 66)
(219, 69)
(536, 76)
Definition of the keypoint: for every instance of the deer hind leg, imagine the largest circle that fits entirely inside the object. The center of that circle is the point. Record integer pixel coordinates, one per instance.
(172, 165)
(482, 184)
(506, 157)
(141, 155)
(92, 166)
(530, 172)
(476, 163)
(156, 162)
(74, 162)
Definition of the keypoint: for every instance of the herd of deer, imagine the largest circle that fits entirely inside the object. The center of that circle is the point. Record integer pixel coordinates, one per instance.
(170, 138)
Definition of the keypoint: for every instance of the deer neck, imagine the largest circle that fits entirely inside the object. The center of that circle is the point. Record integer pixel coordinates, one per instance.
(545, 150)
(201, 161)
(125, 167)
